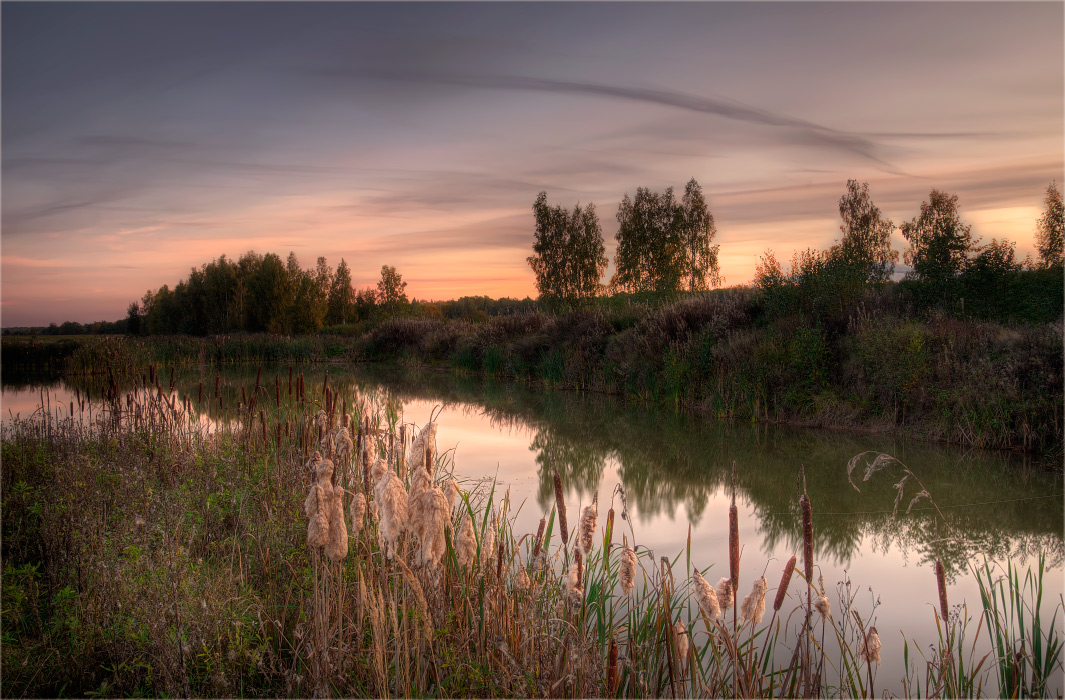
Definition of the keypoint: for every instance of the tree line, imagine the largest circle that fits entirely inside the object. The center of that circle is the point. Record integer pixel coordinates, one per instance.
(664, 246)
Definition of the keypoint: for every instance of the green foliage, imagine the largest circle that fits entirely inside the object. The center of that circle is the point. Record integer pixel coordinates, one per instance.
(1050, 229)
(940, 245)
(569, 256)
(390, 294)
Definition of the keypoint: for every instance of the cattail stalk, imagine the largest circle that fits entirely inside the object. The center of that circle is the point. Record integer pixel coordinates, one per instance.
(734, 543)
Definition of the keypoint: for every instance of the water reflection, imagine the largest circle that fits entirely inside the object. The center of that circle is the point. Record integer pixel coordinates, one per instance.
(997, 504)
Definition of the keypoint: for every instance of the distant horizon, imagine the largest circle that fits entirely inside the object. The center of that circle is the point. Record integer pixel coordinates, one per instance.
(142, 139)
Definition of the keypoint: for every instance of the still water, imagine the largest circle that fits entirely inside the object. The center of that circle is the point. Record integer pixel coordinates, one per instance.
(675, 469)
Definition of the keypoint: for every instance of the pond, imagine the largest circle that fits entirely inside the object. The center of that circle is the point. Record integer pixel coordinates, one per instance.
(676, 472)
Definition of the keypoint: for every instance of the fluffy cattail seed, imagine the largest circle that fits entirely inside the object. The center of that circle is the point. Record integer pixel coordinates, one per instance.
(560, 503)
(429, 517)
(785, 580)
(725, 595)
(451, 493)
(336, 548)
(522, 579)
(627, 569)
(318, 526)
(680, 633)
(754, 604)
(357, 510)
(390, 497)
(466, 541)
(586, 531)
(706, 597)
(872, 646)
(822, 606)
(941, 582)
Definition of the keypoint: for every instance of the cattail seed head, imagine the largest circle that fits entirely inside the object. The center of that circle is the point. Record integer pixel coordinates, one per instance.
(539, 537)
(627, 569)
(734, 543)
(754, 604)
(466, 541)
(706, 597)
(785, 581)
(941, 582)
(609, 533)
(522, 579)
(725, 595)
(429, 517)
(586, 531)
(390, 498)
(822, 606)
(336, 548)
(612, 667)
(872, 646)
(807, 537)
(560, 504)
(680, 633)
(357, 510)
(452, 494)
(319, 511)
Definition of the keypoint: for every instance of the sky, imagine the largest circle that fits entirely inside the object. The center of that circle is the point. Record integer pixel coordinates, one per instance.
(142, 139)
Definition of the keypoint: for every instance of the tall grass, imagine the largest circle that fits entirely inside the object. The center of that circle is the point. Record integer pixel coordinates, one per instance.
(150, 551)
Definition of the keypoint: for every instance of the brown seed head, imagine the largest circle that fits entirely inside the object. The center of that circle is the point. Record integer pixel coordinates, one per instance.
(586, 531)
(872, 646)
(734, 545)
(785, 581)
(706, 597)
(539, 536)
(941, 582)
(560, 504)
(627, 569)
(807, 537)
(726, 596)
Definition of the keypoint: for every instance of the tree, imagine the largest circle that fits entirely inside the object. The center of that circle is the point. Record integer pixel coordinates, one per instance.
(390, 294)
(341, 296)
(133, 316)
(939, 242)
(865, 248)
(1050, 229)
(270, 288)
(650, 255)
(697, 230)
(570, 257)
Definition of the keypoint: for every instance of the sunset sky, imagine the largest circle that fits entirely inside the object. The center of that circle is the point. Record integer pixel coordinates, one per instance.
(141, 139)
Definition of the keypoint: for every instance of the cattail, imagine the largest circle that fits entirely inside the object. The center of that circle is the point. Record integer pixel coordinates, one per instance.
(872, 646)
(560, 503)
(807, 537)
(424, 442)
(465, 542)
(428, 512)
(488, 542)
(734, 536)
(680, 634)
(499, 562)
(324, 469)
(318, 526)
(586, 528)
(754, 604)
(342, 445)
(452, 494)
(706, 597)
(941, 582)
(522, 579)
(785, 581)
(390, 496)
(357, 510)
(539, 537)
(573, 579)
(725, 595)
(336, 548)
(822, 606)
(627, 569)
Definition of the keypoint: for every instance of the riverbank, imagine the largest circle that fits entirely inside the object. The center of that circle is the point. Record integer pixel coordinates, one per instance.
(978, 383)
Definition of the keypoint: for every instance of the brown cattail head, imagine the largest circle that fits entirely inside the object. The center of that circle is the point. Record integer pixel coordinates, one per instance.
(560, 504)
(336, 548)
(785, 581)
(680, 635)
(807, 537)
(319, 505)
(734, 545)
(499, 562)
(539, 537)
(941, 582)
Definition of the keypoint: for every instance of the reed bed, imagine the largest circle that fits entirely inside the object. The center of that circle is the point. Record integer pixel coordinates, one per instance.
(303, 542)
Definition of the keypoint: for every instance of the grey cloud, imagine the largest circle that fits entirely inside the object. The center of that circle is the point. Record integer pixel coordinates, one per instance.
(806, 132)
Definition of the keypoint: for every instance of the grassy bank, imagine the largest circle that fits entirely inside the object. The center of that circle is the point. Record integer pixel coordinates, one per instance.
(872, 367)
(146, 554)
